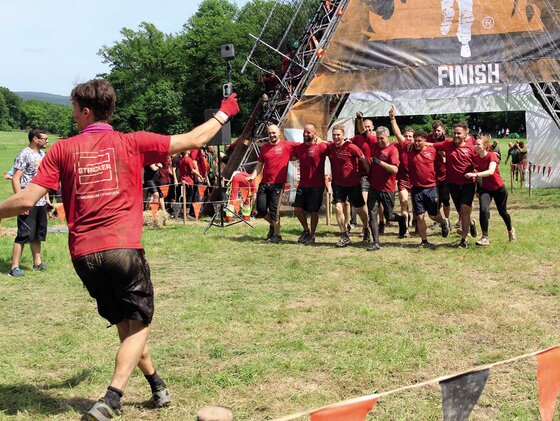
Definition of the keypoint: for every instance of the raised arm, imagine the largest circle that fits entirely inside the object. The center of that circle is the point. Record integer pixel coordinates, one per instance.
(394, 126)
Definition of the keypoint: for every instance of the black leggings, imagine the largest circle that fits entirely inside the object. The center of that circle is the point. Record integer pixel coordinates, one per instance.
(500, 197)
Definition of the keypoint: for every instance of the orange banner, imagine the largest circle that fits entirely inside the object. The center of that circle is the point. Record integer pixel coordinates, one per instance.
(201, 190)
(60, 213)
(548, 377)
(164, 190)
(196, 208)
(349, 412)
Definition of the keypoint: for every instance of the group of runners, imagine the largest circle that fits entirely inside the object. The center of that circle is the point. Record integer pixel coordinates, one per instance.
(368, 169)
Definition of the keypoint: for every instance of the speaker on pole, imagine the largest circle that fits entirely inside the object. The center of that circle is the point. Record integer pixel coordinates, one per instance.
(223, 137)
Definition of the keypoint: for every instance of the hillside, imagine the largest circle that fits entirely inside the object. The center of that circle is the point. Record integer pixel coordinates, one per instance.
(44, 97)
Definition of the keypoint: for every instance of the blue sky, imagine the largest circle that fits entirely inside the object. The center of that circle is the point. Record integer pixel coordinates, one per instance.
(50, 45)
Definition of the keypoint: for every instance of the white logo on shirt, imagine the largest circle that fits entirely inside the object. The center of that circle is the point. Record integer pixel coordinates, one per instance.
(96, 174)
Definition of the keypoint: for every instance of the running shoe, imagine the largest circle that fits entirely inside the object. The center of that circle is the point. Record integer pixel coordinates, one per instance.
(366, 235)
(484, 241)
(403, 230)
(102, 411)
(445, 228)
(511, 234)
(15, 272)
(275, 239)
(161, 398)
(473, 230)
(344, 241)
(303, 237)
(374, 247)
(463, 244)
(40, 266)
(426, 245)
(310, 239)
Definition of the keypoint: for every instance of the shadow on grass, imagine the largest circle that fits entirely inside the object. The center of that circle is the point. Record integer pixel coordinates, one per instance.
(31, 399)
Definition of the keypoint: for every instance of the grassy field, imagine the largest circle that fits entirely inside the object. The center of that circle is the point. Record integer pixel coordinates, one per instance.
(273, 329)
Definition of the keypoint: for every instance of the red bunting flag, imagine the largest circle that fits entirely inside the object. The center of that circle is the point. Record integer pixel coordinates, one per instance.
(353, 411)
(196, 208)
(201, 190)
(548, 377)
(154, 206)
(60, 214)
(538, 168)
(549, 170)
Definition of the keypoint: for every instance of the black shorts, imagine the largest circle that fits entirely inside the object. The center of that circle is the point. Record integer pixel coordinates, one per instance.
(151, 187)
(425, 199)
(462, 194)
(352, 193)
(32, 227)
(310, 199)
(268, 198)
(387, 199)
(119, 280)
(443, 194)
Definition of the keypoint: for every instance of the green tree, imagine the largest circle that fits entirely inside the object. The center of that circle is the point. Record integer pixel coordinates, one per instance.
(10, 109)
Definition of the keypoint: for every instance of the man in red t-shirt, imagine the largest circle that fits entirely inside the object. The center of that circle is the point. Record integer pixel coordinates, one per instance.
(382, 184)
(188, 172)
(273, 163)
(346, 159)
(438, 135)
(309, 195)
(459, 155)
(100, 174)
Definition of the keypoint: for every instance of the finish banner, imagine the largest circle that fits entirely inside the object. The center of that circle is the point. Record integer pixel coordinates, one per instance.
(417, 44)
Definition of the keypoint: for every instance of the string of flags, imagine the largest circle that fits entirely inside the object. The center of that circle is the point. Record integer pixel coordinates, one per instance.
(543, 170)
(460, 392)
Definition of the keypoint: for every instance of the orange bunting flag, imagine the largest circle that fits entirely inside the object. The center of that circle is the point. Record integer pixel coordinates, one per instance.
(354, 411)
(548, 377)
(60, 214)
(201, 190)
(196, 208)
(154, 208)
(164, 190)
(237, 205)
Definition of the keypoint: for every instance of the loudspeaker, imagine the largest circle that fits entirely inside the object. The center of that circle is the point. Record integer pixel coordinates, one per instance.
(223, 137)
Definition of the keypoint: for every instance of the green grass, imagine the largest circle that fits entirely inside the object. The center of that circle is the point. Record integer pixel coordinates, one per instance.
(269, 330)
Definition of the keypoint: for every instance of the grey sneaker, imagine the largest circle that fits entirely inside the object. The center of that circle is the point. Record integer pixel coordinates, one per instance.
(511, 234)
(101, 411)
(484, 241)
(275, 239)
(161, 398)
(15, 272)
(40, 266)
(445, 228)
(425, 245)
(303, 237)
(374, 247)
(344, 241)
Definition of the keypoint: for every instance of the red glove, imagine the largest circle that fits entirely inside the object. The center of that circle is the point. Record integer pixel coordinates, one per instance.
(230, 106)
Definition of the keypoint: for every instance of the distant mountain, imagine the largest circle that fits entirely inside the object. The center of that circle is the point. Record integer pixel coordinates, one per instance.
(44, 97)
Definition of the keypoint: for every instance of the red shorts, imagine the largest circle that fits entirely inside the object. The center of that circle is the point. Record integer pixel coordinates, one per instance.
(404, 184)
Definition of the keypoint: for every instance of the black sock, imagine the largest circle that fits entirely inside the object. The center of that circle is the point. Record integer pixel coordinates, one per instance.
(156, 383)
(113, 397)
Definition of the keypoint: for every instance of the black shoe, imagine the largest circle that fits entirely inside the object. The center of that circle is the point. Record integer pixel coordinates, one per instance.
(270, 233)
(445, 228)
(374, 247)
(473, 230)
(425, 245)
(463, 244)
(303, 237)
(275, 239)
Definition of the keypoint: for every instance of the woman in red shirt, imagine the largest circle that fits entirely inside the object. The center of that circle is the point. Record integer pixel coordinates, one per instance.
(486, 164)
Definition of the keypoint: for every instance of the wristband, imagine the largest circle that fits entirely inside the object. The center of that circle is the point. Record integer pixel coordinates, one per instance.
(218, 120)
(223, 116)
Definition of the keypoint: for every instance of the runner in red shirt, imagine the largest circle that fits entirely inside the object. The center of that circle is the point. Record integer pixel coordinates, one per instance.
(459, 155)
(382, 182)
(273, 163)
(309, 196)
(438, 135)
(188, 171)
(100, 171)
(345, 160)
(486, 164)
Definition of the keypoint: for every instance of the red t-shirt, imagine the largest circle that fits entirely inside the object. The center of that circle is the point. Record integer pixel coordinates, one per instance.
(362, 142)
(459, 160)
(202, 164)
(185, 167)
(403, 173)
(275, 159)
(421, 166)
(100, 171)
(379, 179)
(311, 164)
(494, 182)
(164, 175)
(345, 163)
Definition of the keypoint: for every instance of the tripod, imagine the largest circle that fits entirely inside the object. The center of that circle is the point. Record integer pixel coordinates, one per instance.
(218, 217)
